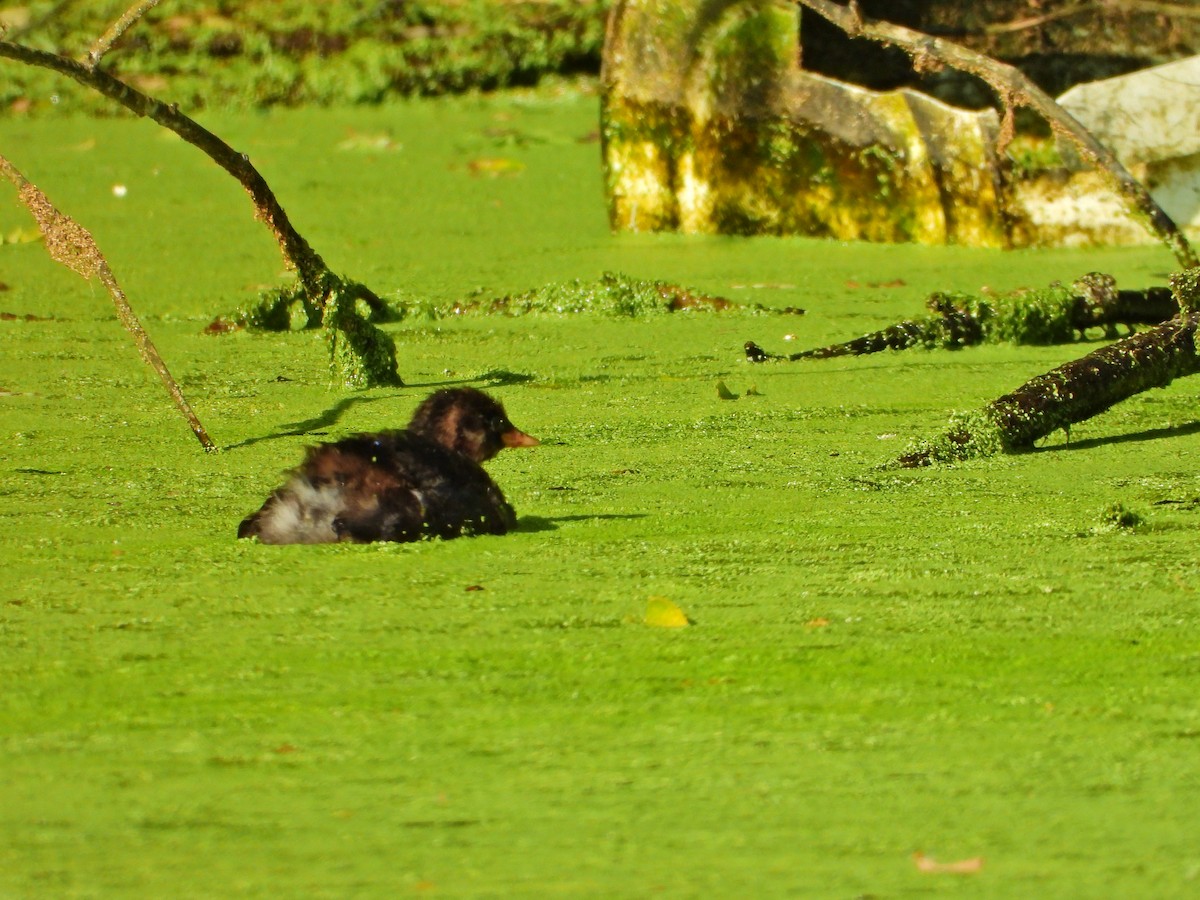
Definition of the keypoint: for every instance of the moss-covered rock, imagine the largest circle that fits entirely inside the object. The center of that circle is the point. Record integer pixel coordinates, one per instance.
(710, 126)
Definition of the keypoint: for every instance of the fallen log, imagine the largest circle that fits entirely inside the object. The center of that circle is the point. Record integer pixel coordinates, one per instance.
(1077, 390)
(1054, 315)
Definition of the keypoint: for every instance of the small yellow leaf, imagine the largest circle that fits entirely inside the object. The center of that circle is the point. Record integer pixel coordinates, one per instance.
(662, 613)
(495, 166)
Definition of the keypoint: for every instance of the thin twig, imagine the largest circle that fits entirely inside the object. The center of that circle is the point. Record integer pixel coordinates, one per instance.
(1037, 21)
(1013, 86)
(116, 29)
(1145, 7)
(70, 244)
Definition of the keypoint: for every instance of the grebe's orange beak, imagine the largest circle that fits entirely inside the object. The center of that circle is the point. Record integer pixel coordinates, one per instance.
(515, 437)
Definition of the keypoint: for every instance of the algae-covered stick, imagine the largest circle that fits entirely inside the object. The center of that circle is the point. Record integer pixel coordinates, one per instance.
(1051, 315)
(72, 245)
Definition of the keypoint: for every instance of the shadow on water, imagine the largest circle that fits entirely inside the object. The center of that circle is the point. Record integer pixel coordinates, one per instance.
(535, 524)
(1151, 434)
(318, 425)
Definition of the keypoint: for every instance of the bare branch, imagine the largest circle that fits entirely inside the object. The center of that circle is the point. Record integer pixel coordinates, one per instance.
(1037, 21)
(116, 29)
(297, 253)
(71, 244)
(1014, 87)
(371, 357)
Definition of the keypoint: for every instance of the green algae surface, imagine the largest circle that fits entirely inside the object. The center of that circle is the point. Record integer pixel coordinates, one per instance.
(971, 661)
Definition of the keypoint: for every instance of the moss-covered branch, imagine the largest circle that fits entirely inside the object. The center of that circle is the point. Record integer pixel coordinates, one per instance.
(1052, 315)
(1077, 390)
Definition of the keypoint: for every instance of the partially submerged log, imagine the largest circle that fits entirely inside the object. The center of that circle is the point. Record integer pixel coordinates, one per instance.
(1077, 390)
(1053, 315)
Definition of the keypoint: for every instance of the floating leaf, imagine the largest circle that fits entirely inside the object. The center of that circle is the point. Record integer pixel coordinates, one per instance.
(959, 867)
(495, 165)
(21, 236)
(662, 613)
(724, 392)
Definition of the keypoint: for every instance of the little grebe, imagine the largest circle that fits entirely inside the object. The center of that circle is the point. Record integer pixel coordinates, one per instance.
(424, 481)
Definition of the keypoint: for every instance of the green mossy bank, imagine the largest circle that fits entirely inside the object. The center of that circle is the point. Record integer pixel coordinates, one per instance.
(262, 53)
(967, 661)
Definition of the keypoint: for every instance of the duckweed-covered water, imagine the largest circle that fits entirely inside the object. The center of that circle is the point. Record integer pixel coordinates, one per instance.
(978, 661)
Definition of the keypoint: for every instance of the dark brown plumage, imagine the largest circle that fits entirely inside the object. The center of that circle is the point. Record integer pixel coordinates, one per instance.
(424, 481)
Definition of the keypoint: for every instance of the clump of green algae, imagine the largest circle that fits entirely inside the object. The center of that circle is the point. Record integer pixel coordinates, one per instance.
(1118, 517)
(969, 435)
(360, 353)
(612, 294)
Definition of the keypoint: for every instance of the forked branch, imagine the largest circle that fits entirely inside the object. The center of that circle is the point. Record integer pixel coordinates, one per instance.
(1069, 394)
(104, 43)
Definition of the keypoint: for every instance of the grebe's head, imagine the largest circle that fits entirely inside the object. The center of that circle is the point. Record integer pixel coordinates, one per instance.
(468, 421)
